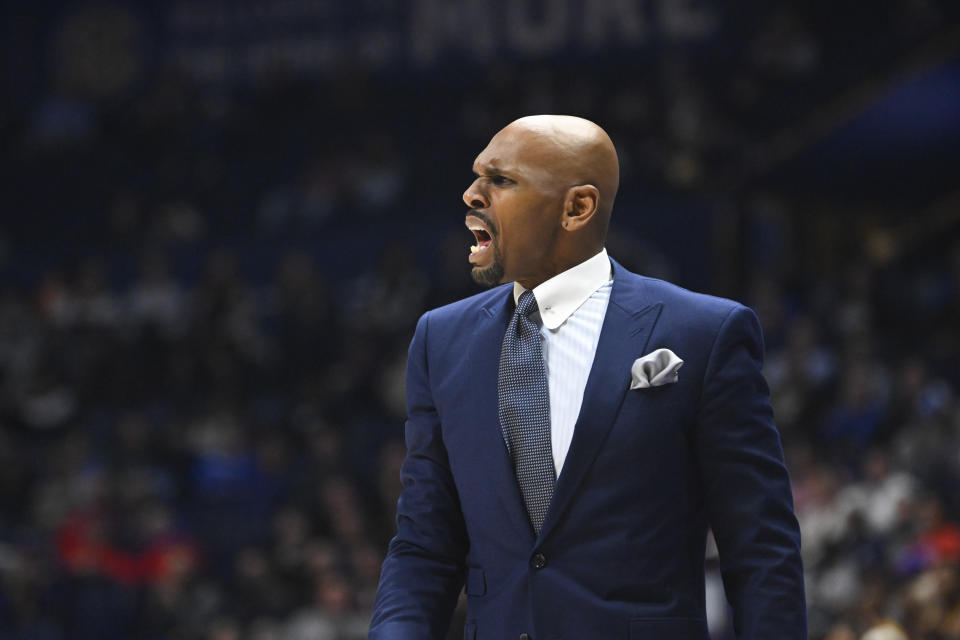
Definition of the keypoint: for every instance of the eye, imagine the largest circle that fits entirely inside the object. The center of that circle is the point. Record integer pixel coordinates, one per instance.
(499, 180)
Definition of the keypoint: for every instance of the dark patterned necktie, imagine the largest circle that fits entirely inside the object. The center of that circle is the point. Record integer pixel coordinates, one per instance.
(525, 410)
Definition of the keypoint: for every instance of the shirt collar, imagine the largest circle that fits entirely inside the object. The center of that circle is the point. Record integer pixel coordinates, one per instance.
(561, 295)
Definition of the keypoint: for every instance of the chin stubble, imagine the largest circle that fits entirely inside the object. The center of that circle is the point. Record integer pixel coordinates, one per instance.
(492, 275)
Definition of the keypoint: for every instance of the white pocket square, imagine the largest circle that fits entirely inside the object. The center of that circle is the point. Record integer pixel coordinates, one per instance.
(655, 369)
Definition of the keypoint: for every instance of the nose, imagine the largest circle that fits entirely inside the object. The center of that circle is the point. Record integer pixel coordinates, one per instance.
(474, 197)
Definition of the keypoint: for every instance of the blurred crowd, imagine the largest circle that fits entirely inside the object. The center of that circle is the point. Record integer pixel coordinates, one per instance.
(203, 461)
(206, 298)
(864, 371)
(220, 459)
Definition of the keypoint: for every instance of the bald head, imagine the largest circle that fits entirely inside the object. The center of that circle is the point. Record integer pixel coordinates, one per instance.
(573, 151)
(542, 198)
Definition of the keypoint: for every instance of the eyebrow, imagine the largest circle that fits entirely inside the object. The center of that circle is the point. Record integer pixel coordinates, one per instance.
(490, 169)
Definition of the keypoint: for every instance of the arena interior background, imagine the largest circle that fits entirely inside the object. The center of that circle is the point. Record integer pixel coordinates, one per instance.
(219, 222)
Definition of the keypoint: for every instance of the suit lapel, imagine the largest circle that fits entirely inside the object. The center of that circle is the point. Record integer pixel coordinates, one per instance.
(488, 337)
(629, 321)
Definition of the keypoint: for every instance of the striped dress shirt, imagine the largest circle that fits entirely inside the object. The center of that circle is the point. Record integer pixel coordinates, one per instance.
(572, 306)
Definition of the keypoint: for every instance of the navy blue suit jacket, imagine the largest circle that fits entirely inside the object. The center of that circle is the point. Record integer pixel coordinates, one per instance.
(621, 553)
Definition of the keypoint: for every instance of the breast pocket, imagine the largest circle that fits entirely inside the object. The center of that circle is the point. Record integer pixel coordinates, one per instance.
(668, 402)
(668, 629)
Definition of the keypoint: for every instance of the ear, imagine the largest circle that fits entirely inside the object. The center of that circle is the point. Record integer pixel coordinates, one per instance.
(580, 205)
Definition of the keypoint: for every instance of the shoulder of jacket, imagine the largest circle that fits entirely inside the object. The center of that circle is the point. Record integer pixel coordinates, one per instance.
(685, 301)
(471, 304)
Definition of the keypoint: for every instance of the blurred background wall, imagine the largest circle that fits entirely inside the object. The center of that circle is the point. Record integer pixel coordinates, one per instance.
(219, 222)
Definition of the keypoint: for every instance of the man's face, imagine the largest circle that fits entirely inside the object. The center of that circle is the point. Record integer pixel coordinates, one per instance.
(516, 209)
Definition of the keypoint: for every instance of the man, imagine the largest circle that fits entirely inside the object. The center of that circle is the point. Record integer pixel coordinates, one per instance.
(561, 465)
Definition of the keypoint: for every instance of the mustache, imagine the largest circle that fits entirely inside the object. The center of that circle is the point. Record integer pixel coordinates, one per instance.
(494, 232)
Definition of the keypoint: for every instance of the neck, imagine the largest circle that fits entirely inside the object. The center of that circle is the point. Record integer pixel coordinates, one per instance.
(559, 266)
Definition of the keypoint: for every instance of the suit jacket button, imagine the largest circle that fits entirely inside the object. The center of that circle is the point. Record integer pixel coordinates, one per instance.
(539, 561)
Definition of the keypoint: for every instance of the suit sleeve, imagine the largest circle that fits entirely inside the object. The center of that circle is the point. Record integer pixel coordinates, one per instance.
(424, 569)
(749, 501)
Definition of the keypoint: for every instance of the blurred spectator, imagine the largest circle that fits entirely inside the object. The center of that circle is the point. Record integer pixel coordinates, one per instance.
(885, 631)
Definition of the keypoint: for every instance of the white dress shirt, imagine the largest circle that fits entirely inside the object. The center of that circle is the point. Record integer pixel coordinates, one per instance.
(571, 306)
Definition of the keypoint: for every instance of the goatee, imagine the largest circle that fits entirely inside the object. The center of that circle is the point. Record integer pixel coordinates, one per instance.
(489, 276)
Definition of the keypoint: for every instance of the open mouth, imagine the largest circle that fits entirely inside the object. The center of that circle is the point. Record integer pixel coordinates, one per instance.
(483, 240)
(482, 235)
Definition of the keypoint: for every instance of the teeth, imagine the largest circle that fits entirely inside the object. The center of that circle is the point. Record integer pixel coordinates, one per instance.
(474, 249)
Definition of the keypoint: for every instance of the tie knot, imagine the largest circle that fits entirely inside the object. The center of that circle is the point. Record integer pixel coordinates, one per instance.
(527, 303)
